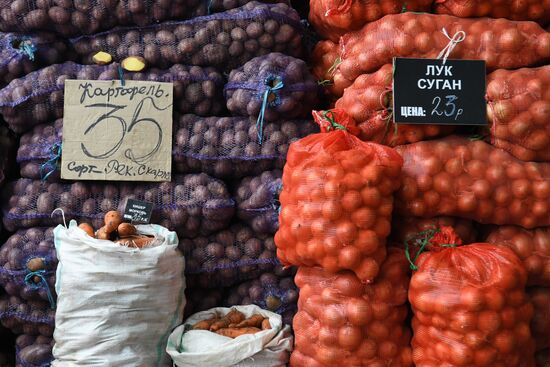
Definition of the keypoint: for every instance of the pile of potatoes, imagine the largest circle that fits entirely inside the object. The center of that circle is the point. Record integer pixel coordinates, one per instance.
(26, 317)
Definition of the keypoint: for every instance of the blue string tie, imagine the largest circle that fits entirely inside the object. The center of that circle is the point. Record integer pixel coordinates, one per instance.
(42, 284)
(27, 48)
(121, 76)
(51, 164)
(209, 8)
(273, 84)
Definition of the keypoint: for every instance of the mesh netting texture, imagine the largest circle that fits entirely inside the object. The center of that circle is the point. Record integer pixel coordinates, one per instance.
(232, 147)
(38, 97)
(72, 18)
(33, 351)
(190, 205)
(518, 111)
(229, 257)
(26, 317)
(472, 179)
(39, 153)
(540, 325)
(257, 200)
(271, 88)
(406, 228)
(535, 10)
(22, 54)
(269, 291)
(369, 101)
(28, 263)
(7, 146)
(225, 41)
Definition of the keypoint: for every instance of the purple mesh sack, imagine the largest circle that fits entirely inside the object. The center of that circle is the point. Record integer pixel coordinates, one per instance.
(201, 299)
(22, 54)
(7, 148)
(26, 317)
(270, 291)
(191, 205)
(39, 152)
(229, 147)
(225, 41)
(257, 200)
(33, 351)
(76, 17)
(28, 263)
(272, 87)
(228, 257)
(38, 97)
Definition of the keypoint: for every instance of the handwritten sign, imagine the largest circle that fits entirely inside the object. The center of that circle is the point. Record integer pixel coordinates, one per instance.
(116, 132)
(428, 91)
(138, 212)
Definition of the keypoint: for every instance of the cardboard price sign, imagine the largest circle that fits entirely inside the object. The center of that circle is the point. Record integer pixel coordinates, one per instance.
(428, 91)
(115, 132)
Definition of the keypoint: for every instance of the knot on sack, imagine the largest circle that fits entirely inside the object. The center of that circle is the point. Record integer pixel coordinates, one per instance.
(335, 119)
(31, 280)
(453, 41)
(49, 167)
(430, 240)
(26, 47)
(273, 83)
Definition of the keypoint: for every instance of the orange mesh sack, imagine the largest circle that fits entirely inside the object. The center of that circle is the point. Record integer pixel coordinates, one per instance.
(532, 247)
(323, 61)
(337, 199)
(369, 101)
(504, 44)
(519, 112)
(333, 18)
(473, 180)
(470, 309)
(535, 10)
(540, 326)
(343, 322)
(404, 228)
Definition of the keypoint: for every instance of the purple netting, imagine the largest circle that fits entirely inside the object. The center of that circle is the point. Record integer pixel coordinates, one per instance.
(38, 97)
(270, 292)
(201, 299)
(274, 87)
(257, 200)
(39, 152)
(191, 205)
(225, 41)
(71, 18)
(7, 146)
(26, 317)
(228, 257)
(228, 147)
(22, 54)
(28, 263)
(33, 351)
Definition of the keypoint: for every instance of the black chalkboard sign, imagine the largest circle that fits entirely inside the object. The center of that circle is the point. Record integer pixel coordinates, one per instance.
(426, 91)
(138, 212)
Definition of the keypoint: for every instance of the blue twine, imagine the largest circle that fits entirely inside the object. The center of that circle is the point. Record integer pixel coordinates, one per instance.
(209, 8)
(51, 164)
(27, 48)
(43, 284)
(121, 76)
(278, 85)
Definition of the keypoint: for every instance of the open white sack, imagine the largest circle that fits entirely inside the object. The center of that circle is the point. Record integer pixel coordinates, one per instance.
(116, 305)
(201, 348)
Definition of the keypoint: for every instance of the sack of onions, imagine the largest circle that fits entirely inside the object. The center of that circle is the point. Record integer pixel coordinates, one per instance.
(540, 326)
(343, 321)
(405, 228)
(337, 199)
(474, 180)
(470, 308)
(535, 10)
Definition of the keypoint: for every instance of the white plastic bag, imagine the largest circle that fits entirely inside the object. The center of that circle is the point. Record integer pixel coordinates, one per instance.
(116, 305)
(201, 348)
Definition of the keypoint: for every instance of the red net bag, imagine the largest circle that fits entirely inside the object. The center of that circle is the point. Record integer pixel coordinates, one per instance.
(334, 18)
(531, 246)
(503, 43)
(536, 10)
(543, 358)
(369, 102)
(519, 112)
(470, 309)
(474, 180)
(337, 199)
(404, 228)
(323, 61)
(540, 326)
(342, 321)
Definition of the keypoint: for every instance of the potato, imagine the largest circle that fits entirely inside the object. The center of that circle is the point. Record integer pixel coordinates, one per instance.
(112, 220)
(38, 97)
(126, 230)
(223, 42)
(87, 228)
(26, 317)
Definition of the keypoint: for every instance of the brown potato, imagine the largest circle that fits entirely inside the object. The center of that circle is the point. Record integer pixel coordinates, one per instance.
(102, 234)
(112, 221)
(86, 227)
(126, 229)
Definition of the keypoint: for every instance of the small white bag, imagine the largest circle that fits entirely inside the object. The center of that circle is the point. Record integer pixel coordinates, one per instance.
(201, 348)
(116, 305)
